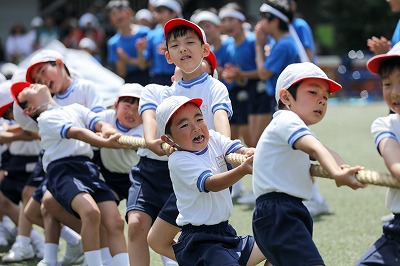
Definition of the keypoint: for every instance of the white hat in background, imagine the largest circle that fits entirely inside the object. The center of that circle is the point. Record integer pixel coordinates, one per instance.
(36, 22)
(295, 73)
(144, 14)
(206, 16)
(87, 43)
(169, 106)
(88, 18)
(170, 4)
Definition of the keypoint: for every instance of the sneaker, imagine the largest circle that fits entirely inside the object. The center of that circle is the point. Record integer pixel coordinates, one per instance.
(248, 198)
(18, 252)
(387, 218)
(43, 263)
(38, 247)
(3, 236)
(73, 255)
(316, 208)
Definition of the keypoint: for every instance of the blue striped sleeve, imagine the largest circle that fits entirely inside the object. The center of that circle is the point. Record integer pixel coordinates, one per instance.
(93, 122)
(234, 147)
(382, 136)
(64, 130)
(202, 180)
(98, 109)
(147, 106)
(298, 134)
(222, 106)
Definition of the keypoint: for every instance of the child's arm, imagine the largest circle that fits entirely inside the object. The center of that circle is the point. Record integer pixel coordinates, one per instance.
(221, 123)
(105, 129)
(226, 179)
(6, 137)
(88, 136)
(343, 176)
(150, 132)
(390, 151)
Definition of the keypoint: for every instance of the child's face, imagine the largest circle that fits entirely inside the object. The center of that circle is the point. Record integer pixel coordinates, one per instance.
(32, 97)
(189, 129)
(311, 100)
(127, 114)
(49, 75)
(186, 52)
(211, 30)
(162, 15)
(119, 16)
(391, 90)
(232, 26)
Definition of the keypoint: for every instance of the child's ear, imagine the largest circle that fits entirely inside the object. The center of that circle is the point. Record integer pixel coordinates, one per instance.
(168, 57)
(285, 97)
(167, 140)
(206, 49)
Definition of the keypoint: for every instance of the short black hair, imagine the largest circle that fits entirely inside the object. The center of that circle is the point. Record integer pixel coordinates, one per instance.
(128, 99)
(388, 66)
(180, 31)
(293, 91)
(282, 6)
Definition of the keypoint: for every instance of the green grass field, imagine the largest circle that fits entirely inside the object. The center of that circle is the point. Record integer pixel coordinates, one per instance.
(354, 225)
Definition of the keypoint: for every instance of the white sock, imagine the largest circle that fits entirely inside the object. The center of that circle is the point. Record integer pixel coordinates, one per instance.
(168, 262)
(36, 237)
(50, 253)
(106, 257)
(316, 195)
(121, 259)
(93, 258)
(24, 240)
(70, 236)
(8, 224)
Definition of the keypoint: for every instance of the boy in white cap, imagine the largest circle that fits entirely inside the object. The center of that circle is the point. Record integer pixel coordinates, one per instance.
(386, 133)
(152, 49)
(201, 184)
(281, 170)
(67, 133)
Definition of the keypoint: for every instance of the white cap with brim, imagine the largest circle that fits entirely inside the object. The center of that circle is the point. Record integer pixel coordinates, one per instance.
(144, 14)
(175, 22)
(41, 57)
(170, 4)
(375, 62)
(207, 16)
(168, 108)
(295, 73)
(130, 90)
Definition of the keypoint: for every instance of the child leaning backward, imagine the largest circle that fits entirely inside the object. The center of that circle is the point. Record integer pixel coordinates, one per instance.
(201, 182)
(386, 133)
(67, 133)
(281, 170)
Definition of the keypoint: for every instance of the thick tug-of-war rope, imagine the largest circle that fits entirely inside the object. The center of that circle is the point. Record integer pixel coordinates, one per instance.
(364, 176)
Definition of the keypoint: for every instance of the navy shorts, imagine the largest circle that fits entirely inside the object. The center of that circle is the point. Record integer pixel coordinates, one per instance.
(386, 250)
(161, 79)
(240, 105)
(118, 182)
(140, 76)
(38, 174)
(282, 228)
(70, 176)
(40, 190)
(169, 211)
(19, 169)
(151, 187)
(212, 245)
(259, 101)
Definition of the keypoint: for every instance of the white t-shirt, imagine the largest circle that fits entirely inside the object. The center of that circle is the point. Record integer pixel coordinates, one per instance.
(151, 96)
(189, 171)
(214, 94)
(119, 160)
(278, 166)
(382, 128)
(53, 126)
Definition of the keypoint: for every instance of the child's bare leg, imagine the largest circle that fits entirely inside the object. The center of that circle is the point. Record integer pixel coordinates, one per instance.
(139, 224)
(58, 211)
(161, 238)
(257, 256)
(32, 212)
(89, 212)
(9, 208)
(114, 224)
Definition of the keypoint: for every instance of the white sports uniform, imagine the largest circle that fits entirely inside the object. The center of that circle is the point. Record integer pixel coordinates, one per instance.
(278, 166)
(196, 205)
(382, 128)
(53, 126)
(119, 160)
(214, 94)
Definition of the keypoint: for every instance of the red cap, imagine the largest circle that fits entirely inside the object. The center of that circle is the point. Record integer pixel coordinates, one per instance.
(375, 62)
(16, 88)
(212, 59)
(172, 23)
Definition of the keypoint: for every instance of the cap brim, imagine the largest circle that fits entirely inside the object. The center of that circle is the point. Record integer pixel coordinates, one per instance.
(375, 62)
(4, 108)
(16, 89)
(333, 85)
(129, 95)
(181, 22)
(196, 101)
